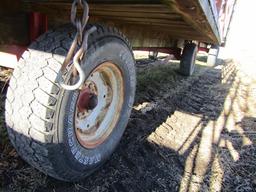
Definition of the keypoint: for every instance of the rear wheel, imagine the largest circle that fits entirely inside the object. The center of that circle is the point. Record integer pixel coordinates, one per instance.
(69, 134)
(153, 55)
(213, 55)
(188, 58)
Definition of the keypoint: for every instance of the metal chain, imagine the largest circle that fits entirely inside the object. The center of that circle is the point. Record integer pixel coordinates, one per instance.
(81, 39)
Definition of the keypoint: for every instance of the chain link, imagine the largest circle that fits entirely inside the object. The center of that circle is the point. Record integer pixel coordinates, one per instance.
(81, 39)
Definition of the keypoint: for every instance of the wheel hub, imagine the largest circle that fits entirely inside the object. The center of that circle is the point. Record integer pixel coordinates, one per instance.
(87, 100)
(98, 105)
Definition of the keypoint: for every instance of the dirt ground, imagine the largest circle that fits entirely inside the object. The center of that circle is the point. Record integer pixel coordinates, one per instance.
(185, 134)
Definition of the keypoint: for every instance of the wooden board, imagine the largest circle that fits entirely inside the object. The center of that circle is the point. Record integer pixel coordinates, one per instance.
(13, 23)
(150, 23)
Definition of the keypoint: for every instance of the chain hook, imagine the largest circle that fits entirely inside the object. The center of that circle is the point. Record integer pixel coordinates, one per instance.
(80, 39)
(85, 17)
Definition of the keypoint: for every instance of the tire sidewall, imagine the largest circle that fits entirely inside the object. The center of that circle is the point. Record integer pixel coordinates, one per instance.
(187, 65)
(194, 50)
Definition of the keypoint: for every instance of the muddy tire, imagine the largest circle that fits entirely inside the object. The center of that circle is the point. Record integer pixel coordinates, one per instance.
(188, 58)
(42, 118)
(213, 55)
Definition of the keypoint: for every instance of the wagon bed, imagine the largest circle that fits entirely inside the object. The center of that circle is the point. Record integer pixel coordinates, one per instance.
(192, 19)
(147, 23)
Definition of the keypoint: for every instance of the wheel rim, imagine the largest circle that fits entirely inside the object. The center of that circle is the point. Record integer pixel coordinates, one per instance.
(99, 105)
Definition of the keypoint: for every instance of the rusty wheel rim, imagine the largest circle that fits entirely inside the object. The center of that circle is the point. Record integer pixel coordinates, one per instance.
(99, 105)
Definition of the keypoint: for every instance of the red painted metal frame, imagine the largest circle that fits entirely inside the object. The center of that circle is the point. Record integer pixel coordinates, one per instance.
(204, 49)
(16, 50)
(38, 24)
(10, 54)
(225, 11)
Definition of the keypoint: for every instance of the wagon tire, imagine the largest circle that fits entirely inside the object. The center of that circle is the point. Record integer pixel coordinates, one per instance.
(188, 58)
(153, 55)
(42, 118)
(213, 55)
